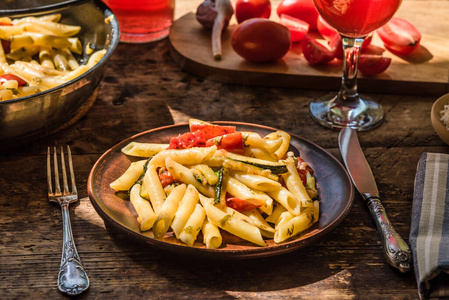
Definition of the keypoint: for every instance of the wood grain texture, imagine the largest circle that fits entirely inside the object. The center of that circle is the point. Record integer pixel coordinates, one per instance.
(152, 91)
(425, 71)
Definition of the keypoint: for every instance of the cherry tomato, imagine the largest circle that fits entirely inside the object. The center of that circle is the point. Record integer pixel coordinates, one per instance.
(6, 77)
(232, 142)
(239, 204)
(298, 28)
(187, 140)
(261, 40)
(328, 32)
(300, 9)
(165, 177)
(248, 9)
(209, 131)
(399, 36)
(314, 52)
(370, 64)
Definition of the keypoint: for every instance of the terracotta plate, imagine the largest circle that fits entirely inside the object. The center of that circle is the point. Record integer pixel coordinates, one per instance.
(336, 195)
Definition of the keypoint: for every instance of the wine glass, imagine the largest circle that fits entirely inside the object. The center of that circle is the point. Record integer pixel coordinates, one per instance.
(354, 20)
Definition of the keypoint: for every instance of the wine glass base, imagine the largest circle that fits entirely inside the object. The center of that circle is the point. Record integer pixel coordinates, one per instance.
(365, 115)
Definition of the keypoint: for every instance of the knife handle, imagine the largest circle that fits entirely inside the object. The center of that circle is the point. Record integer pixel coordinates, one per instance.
(395, 248)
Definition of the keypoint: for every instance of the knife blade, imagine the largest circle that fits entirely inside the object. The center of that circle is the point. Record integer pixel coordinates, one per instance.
(396, 250)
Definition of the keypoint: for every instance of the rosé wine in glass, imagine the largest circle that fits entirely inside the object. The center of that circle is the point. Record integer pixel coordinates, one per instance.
(354, 20)
(142, 20)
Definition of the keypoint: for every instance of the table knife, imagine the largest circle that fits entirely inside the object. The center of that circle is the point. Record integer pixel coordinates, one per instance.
(395, 248)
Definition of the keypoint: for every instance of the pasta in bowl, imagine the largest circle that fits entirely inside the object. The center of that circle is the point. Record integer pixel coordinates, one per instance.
(51, 63)
(218, 205)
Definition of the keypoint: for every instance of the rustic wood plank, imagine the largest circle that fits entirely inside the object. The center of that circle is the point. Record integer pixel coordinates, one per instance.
(346, 264)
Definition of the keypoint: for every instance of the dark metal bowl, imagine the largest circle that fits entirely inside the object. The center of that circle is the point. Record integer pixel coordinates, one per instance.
(37, 115)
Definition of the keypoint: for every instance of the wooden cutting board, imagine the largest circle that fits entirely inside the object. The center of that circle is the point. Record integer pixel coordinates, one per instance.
(424, 72)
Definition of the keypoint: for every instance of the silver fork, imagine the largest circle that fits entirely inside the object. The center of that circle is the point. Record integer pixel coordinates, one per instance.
(72, 278)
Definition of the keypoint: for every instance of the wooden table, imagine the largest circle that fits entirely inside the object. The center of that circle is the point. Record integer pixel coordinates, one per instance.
(144, 89)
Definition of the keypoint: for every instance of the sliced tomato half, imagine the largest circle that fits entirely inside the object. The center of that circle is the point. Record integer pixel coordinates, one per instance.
(187, 140)
(298, 28)
(232, 142)
(370, 64)
(399, 36)
(6, 77)
(315, 52)
(209, 130)
(239, 204)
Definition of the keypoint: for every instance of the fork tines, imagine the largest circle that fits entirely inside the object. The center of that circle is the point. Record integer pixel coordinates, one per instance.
(57, 190)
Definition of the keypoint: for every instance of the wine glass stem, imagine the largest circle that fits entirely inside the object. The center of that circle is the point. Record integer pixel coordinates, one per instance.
(348, 94)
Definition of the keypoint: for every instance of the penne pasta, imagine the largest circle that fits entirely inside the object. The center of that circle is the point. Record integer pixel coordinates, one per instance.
(209, 190)
(152, 188)
(295, 225)
(256, 182)
(129, 177)
(183, 174)
(143, 149)
(232, 224)
(286, 199)
(211, 235)
(191, 156)
(185, 209)
(294, 184)
(193, 226)
(167, 211)
(143, 208)
(43, 53)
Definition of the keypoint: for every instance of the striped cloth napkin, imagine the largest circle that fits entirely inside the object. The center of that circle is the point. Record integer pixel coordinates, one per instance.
(429, 232)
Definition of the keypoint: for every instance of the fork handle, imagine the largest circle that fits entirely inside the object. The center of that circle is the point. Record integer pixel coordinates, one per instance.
(72, 278)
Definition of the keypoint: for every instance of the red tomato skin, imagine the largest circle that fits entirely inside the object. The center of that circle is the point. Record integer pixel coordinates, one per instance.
(261, 40)
(232, 142)
(399, 36)
(328, 32)
(298, 28)
(314, 52)
(187, 140)
(372, 65)
(210, 131)
(248, 9)
(166, 178)
(239, 204)
(7, 76)
(301, 9)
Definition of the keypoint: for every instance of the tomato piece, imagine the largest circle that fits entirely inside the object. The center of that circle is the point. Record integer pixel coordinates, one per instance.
(239, 204)
(210, 130)
(301, 9)
(248, 9)
(298, 28)
(314, 52)
(370, 64)
(166, 177)
(187, 140)
(261, 40)
(232, 142)
(6, 77)
(399, 36)
(328, 32)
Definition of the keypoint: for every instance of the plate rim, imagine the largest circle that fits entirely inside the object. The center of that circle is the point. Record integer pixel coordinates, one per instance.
(215, 253)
